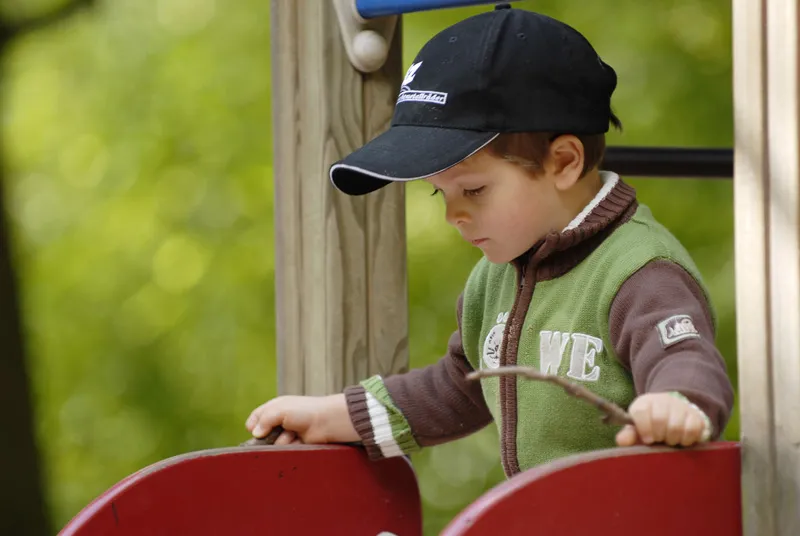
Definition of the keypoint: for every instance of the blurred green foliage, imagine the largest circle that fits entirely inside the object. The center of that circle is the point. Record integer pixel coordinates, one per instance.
(138, 143)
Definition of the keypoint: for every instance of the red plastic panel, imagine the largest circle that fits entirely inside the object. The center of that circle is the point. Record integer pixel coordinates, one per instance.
(618, 492)
(259, 490)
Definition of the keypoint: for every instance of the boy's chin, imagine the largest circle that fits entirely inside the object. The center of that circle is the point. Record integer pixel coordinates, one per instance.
(496, 258)
(501, 257)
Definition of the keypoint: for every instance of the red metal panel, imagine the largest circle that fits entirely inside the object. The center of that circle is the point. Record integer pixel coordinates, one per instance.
(634, 491)
(259, 490)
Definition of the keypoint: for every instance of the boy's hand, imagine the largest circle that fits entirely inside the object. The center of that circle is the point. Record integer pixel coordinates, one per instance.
(663, 418)
(305, 419)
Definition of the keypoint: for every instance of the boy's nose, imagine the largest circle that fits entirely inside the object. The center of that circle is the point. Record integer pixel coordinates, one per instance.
(456, 215)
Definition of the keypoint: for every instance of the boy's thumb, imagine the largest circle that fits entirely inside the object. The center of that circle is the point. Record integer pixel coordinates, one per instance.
(627, 436)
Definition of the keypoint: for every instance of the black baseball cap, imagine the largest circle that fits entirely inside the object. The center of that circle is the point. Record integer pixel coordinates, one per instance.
(505, 70)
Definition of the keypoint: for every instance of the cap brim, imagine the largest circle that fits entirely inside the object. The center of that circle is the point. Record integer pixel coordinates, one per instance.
(405, 153)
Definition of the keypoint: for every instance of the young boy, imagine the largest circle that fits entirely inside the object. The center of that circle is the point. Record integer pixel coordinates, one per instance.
(505, 115)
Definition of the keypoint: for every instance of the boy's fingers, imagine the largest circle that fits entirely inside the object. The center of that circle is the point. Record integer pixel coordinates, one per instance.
(659, 421)
(627, 437)
(285, 438)
(268, 419)
(693, 429)
(253, 418)
(676, 425)
(640, 413)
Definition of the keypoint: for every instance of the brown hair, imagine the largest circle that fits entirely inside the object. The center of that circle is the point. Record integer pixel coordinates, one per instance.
(529, 149)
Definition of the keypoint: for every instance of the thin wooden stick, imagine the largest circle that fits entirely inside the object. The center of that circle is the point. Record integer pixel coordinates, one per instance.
(612, 413)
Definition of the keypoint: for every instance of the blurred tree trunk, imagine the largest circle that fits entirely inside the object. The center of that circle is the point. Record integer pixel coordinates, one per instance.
(21, 494)
(23, 502)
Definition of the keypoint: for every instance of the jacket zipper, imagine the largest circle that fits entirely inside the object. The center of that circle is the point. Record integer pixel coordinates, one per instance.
(507, 384)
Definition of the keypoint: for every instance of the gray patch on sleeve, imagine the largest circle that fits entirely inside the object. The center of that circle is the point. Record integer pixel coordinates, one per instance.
(675, 329)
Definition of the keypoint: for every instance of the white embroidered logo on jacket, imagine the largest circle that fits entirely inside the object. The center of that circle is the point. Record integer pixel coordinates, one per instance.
(552, 345)
(494, 342)
(585, 349)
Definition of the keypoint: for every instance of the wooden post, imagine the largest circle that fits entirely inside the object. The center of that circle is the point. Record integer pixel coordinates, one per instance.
(767, 230)
(783, 134)
(750, 245)
(340, 263)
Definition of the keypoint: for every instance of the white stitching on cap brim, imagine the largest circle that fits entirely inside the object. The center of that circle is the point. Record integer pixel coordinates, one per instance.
(403, 179)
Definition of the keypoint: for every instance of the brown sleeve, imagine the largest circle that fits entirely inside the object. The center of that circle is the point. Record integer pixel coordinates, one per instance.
(663, 358)
(438, 402)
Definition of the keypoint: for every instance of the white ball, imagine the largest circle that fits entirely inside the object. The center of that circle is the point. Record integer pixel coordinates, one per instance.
(370, 50)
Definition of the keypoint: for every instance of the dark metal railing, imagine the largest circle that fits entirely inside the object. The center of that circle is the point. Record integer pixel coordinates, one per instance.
(675, 162)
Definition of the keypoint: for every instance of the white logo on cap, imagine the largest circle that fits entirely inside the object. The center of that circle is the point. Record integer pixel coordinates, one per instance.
(409, 95)
(411, 73)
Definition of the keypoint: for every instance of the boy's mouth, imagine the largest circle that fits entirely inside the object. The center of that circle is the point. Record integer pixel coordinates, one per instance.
(478, 241)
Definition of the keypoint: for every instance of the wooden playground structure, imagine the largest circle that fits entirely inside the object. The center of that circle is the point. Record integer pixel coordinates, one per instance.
(335, 78)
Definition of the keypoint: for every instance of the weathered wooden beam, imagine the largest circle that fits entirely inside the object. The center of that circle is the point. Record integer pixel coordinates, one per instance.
(750, 186)
(783, 135)
(340, 263)
(767, 240)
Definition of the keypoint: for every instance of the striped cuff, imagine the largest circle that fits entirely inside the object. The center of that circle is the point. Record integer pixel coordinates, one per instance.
(382, 427)
(707, 428)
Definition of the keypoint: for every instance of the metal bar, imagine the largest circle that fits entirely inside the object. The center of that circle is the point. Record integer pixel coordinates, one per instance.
(369, 9)
(674, 162)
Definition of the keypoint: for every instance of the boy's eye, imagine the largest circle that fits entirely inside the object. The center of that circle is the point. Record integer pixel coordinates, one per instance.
(435, 191)
(474, 192)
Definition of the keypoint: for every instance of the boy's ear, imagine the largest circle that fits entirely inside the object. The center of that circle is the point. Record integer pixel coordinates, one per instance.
(565, 161)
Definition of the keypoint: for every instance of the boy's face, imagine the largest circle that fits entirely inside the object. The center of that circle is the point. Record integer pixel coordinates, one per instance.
(498, 206)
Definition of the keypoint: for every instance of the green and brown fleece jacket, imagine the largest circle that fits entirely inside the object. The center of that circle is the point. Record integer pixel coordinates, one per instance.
(612, 302)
